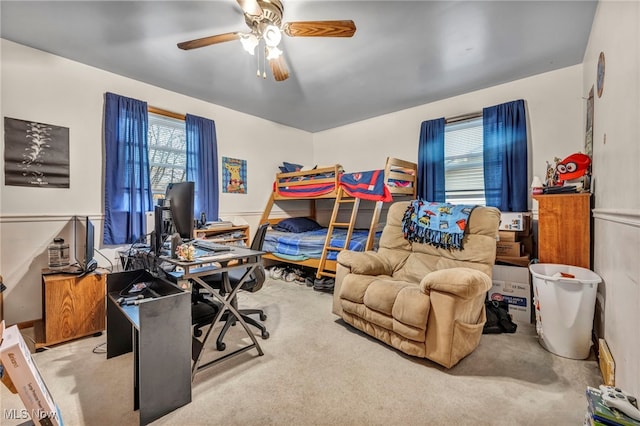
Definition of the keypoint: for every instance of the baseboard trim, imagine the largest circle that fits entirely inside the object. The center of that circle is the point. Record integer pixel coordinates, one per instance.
(27, 324)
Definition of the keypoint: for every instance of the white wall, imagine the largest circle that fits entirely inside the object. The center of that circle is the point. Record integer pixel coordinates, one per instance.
(616, 169)
(49, 89)
(46, 88)
(555, 115)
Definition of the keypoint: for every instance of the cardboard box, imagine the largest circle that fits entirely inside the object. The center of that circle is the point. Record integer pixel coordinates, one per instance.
(18, 364)
(513, 285)
(516, 261)
(509, 248)
(509, 236)
(512, 221)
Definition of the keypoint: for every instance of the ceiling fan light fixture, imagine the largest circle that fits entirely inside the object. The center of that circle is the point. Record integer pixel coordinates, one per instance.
(273, 53)
(272, 35)
(249, 42)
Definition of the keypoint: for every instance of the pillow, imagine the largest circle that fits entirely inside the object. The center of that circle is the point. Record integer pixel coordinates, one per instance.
(290, 167)
(297, 225)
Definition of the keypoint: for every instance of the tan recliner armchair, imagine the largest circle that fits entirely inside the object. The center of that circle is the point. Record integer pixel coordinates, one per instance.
(425, 301)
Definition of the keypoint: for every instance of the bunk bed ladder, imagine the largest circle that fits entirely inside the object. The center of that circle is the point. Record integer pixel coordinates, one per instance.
(341, 198)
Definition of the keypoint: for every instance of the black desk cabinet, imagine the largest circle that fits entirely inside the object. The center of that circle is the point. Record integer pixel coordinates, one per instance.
(158, 330)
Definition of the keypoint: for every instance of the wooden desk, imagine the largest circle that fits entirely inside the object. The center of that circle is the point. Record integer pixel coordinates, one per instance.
(72, 307)
(220, 263)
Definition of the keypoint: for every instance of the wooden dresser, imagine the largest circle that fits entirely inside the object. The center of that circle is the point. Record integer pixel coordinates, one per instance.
(564, 229)
(72, 307)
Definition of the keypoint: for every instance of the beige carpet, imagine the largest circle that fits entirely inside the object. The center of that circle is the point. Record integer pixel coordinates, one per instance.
(316, 370)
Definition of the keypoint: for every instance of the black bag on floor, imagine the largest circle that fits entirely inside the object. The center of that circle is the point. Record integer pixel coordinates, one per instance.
(498, 318)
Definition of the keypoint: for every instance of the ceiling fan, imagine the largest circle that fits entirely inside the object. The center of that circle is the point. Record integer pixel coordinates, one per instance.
(264, 18)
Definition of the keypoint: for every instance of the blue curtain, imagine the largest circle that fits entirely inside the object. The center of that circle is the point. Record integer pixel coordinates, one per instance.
(505, 156)
(431, 161)
(202, 164)
(127, 193)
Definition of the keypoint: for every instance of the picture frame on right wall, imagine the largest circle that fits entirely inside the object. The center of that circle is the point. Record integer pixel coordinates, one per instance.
(588, 138)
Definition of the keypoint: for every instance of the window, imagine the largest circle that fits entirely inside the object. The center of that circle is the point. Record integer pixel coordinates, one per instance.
(167, 152)
(463, 162)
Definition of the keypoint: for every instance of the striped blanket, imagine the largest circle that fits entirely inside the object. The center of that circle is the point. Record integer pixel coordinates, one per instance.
(439, 224)
(367, 185)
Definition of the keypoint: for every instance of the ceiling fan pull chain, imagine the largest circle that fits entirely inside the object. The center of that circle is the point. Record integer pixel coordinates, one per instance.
(264, 62)
(258, 61)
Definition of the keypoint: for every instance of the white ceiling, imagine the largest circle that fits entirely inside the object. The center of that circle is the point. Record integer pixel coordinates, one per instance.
(403, 54)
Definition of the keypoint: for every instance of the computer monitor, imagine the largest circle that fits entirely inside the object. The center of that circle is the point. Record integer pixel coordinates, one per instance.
(83, 231)
(180, 198)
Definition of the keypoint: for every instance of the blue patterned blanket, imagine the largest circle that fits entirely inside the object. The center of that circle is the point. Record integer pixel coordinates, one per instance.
(438, 224)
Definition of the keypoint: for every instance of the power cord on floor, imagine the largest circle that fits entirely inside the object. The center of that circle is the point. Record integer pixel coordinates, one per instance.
(100, 349)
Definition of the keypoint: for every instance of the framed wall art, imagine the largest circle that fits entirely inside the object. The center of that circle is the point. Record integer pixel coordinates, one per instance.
(234, 175)
(35, 154)
(588, 138)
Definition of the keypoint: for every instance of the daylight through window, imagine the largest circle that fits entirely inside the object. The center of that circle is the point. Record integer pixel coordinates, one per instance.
(167, 152)
(463, 162)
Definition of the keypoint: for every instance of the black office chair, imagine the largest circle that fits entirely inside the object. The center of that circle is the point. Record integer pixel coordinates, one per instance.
(205, 309)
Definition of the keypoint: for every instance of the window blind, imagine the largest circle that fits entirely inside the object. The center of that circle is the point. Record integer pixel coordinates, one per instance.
(464, 169)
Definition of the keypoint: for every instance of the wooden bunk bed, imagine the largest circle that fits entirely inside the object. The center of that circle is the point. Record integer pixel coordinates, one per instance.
(398, 180)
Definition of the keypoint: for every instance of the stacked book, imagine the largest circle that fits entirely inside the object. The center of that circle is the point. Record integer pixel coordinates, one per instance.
(599, 414)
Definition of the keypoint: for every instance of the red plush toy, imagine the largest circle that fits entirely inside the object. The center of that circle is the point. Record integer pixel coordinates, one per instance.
(573, 167)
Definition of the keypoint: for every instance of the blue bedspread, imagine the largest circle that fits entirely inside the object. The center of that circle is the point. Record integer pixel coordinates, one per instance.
(311, 243)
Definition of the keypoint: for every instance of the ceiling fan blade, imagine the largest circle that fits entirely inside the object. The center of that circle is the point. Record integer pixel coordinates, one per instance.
(250, 7)
(320, 28)
(279, 68)
(206, 41)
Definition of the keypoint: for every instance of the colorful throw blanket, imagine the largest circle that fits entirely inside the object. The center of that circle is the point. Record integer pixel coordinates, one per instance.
(367, 185)
(439, 224)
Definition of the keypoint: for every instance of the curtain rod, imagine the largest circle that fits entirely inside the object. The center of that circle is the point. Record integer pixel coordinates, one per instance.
(463, 117)
(166, 113)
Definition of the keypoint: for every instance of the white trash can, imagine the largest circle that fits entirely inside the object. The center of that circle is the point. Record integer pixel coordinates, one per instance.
(564, 308)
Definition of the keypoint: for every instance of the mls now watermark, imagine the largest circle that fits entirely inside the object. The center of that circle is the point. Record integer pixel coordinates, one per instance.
(24, 414)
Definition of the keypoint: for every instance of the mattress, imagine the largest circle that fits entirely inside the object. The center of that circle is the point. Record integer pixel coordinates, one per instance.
(310, 244)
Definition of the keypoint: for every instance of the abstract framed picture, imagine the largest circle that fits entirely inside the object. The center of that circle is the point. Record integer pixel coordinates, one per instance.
(588, 137)
(234, 175)
(35, 154)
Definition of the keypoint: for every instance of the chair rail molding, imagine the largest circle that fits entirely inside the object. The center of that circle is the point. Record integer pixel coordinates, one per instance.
(629, 217)
(22, 218)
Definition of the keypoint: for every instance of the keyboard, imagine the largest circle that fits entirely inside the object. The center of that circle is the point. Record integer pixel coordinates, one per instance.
(214, 257)
(210, 246)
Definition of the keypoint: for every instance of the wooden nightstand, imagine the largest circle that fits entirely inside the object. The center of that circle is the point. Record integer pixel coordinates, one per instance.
(72, 307)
